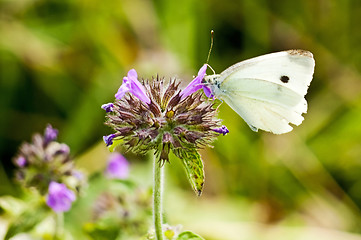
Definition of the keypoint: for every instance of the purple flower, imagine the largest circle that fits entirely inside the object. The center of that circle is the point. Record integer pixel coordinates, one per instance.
(59, 197)
(167, 124)
(20, 161)
(132, 85)
(222, 130)
(50, 134)
(109, 139)
(196, 84)
(78, 175)
(63, 149)
(108, 107)
(118, 166)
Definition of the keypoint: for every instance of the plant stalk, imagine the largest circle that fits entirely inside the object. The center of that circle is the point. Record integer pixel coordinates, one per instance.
(59, 225)
(157, 199)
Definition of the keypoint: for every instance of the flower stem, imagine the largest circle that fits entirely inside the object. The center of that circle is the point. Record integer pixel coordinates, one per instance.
(157, 199)
(59, 225)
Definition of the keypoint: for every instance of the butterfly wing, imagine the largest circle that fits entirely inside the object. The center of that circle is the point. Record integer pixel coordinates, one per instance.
(267, 115)
(268, 91)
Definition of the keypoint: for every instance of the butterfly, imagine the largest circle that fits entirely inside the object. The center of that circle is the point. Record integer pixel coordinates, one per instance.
(268, 91)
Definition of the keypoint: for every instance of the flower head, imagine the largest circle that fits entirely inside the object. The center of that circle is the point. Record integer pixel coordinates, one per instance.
(118, 166)
(45, 160)
(132, 85)
(59, 197)
(129, 209)
(197, 84)
(173, 120)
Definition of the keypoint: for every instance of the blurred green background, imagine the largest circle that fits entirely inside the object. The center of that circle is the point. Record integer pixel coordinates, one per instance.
(61, 59)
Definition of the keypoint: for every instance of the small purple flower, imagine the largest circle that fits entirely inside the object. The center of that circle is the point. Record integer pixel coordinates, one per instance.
(78, 175)
(108, 107)
(132, 85)
(196, 84)
(20, 161)
(222, 130)
(50, 134)
(109, 139)
(59, 197)
(118, 166)
(63, 149)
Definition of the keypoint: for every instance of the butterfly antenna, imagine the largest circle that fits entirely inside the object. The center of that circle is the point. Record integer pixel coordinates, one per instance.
(214, 72)
(210, 49)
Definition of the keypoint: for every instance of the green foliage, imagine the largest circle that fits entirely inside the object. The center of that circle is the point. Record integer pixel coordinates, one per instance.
(116, 143)
(102, 230)
(173, 233)
(11, 205)
(27, 220)
(187, 235)
(193, 166)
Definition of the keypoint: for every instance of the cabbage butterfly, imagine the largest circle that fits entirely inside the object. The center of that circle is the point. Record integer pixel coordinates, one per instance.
(267, 91)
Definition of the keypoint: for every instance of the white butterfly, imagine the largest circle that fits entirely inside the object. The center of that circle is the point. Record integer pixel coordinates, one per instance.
(267, 91)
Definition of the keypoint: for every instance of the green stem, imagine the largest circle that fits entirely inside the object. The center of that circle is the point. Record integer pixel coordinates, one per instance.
(59, 225)
(157, 199)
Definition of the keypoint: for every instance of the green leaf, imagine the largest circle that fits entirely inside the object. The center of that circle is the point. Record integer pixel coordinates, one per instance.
(116, 143)
(27, 220)
(188, 235)
(11, 205)
(102, 230)
(193, 165)
(217, 103)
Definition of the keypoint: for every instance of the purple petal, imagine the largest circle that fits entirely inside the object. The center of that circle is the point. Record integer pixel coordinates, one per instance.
(222, 130)
(136, 88)
(50, 134)
(59, 197)
(118, 166)
(108, 107)
(202, 71)
(64, 149)
(125, 87)
(192, 87)
(20, 161)
(109, 139)
(132, 74)
(132, 85)
(196, 84)
(207, 91)
(78, 175)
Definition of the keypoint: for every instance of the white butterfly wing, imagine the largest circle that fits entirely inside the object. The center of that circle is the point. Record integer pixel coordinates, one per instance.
(265, 115)
(268, 91)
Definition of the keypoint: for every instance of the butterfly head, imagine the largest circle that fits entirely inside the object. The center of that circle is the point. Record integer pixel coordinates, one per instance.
(212, 82)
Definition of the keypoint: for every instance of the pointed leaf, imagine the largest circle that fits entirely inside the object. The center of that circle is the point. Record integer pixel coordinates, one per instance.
(217, 103)
(188, 235)
(27, 220)
(11, 205)
(115, 144)
(193, 165)
(103, 229)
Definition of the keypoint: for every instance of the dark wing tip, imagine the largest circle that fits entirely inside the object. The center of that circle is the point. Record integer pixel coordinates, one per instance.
(300, 52)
